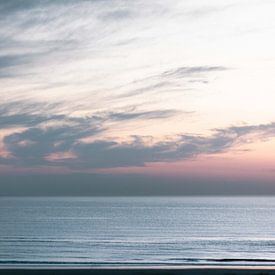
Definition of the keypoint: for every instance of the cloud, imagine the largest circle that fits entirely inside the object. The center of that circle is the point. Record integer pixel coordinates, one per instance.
(138, 153)
(44, 133)
(73, 55)
(191, 71)
(15, 6)
(25, 120)
(31, 114)
(117, 14)
(30, 120)
(33, 146)
(158, 114)
(75, 50)
(9, 62)
(172, 79)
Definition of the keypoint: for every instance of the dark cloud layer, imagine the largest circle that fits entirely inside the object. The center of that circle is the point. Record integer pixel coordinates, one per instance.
(48, 134)
(33, 146)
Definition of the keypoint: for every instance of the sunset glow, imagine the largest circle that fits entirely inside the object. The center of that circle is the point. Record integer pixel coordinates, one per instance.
(172, 88)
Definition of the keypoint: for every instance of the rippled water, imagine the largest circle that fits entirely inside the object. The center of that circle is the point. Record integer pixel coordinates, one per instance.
(137, 231)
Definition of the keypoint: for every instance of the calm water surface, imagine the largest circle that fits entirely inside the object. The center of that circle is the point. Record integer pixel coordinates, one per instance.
(137, 231)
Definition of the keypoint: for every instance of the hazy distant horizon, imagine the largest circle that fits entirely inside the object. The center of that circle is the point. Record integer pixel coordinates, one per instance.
(127, 185)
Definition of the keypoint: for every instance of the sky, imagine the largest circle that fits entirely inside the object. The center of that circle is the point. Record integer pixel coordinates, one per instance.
(138, 90)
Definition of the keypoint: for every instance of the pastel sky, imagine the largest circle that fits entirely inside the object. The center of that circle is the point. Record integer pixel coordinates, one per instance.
(159, 87)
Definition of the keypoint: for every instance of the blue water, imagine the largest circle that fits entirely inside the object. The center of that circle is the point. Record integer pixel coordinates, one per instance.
(137, 231)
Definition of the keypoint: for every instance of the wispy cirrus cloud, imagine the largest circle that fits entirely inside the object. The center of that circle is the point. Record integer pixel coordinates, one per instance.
(27, 114)
(91, 61)
(171, 80)
(54, 49)
(191, 71)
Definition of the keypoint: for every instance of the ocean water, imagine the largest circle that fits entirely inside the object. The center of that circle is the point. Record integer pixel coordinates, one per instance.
(137, 231)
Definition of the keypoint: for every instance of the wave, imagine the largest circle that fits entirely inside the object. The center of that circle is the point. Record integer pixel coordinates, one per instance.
(223, 260)
(180, 261)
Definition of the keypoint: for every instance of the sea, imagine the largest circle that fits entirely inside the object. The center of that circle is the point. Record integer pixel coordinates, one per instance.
(136, 231)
